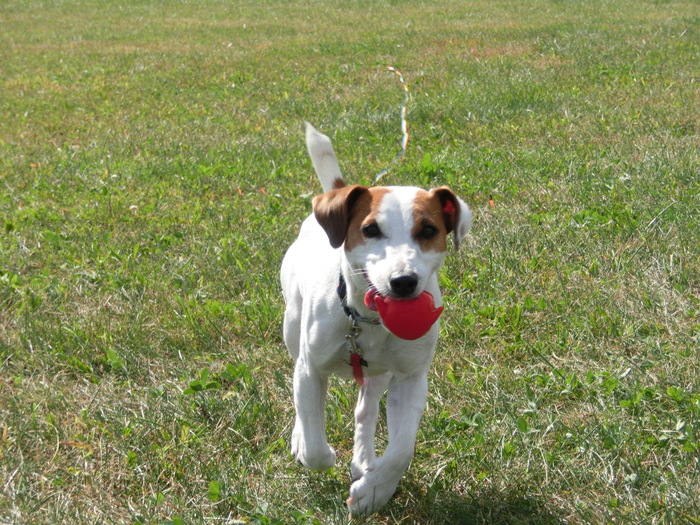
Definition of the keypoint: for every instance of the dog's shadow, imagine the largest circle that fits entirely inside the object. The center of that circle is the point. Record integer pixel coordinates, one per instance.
(477, 507)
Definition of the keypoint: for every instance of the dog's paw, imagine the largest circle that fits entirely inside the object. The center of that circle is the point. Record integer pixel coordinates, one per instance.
(369, 493)
(321, 457)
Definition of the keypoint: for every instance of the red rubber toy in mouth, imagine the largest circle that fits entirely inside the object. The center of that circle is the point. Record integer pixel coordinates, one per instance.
(405, 318)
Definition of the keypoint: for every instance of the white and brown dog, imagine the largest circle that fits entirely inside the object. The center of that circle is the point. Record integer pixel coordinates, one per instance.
(388, 239)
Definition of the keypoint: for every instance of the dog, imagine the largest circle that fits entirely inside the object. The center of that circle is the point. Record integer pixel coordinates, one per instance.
(390, 241)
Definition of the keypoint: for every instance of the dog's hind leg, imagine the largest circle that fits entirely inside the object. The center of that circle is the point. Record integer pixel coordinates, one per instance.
(366, 413)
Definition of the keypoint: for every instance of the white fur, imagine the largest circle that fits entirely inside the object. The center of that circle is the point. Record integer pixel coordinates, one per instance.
(315, 327)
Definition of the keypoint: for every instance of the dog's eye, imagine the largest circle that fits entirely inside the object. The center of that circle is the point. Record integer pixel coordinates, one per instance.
(428, 232)
(371, 231)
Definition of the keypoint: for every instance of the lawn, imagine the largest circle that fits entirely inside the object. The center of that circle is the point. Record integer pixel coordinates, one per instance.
(153, 172)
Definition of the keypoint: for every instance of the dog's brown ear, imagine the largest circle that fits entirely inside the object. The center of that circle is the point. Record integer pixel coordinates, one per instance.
(455, 212)
(333, 211)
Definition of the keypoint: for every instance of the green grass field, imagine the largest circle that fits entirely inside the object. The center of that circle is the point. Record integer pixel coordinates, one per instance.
(153, 172)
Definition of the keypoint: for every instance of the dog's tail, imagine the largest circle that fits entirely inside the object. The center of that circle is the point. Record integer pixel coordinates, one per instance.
(323, 158)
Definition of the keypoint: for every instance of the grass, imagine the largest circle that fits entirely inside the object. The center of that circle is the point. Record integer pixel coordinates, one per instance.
(153, 172)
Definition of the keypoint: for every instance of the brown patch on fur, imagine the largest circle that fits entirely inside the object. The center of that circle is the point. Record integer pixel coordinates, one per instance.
(364, 213)
(338, 183)
(334, 209)
(428, 211)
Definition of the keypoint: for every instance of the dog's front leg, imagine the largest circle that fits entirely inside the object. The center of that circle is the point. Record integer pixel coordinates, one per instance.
(405, 404)
(366, 413)
(309, 443)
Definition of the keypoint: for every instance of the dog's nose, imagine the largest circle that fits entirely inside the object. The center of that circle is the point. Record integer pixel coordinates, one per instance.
(404, 285)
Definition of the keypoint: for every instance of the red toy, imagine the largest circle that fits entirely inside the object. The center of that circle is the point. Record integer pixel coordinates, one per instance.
(405, 318)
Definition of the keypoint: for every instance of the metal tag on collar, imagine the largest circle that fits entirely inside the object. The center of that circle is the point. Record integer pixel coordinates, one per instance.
(354, 332)
(356, 360)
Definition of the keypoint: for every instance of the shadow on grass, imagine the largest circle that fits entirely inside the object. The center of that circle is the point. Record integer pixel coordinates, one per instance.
(502, 509)
(480, 507)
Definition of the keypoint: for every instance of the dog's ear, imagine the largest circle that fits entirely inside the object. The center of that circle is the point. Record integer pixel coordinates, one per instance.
(456, 214)
(333, 211)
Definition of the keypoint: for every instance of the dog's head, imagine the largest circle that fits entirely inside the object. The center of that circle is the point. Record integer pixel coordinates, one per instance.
(396, 236)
